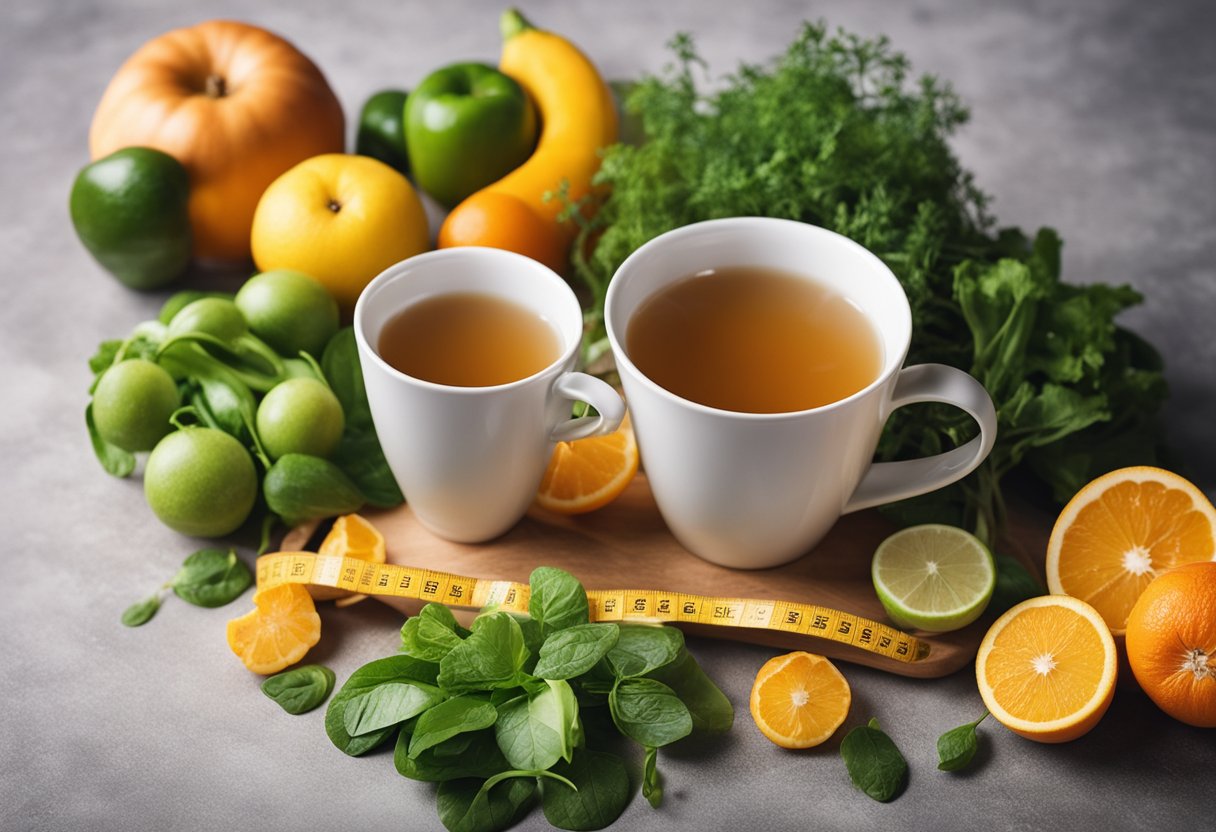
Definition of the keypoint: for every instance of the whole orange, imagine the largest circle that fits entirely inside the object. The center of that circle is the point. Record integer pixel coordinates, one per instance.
(1171, 643)
(505, 221)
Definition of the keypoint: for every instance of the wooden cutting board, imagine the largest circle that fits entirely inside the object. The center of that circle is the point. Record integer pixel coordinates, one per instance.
(627, 546)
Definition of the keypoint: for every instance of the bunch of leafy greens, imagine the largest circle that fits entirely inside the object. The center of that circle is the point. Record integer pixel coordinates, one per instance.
(523, 706)
(833, 133)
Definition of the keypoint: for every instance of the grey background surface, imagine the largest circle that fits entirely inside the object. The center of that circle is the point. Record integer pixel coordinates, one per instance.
(1097, 118)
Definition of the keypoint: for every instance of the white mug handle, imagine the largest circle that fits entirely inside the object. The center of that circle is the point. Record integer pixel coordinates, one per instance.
(887, 482)
(580, 387)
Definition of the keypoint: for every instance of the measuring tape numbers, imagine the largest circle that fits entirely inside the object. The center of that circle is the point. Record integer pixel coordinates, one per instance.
(636, 605)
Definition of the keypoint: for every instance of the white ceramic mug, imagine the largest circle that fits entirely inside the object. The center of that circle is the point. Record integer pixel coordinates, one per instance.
(469, 459)
(753, 490)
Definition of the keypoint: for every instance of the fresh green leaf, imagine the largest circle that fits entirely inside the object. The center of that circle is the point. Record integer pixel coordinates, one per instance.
(387, 705)
(432, 633)
(652, 782)
(113, 459)
(141, 612)
(465, 807)
(212, 578)
(557, 601)
(299, 487)
(649, 712)
(641, 648)
(874, 763)
(602, 793)
(301, 689)
(956, 747)
(101, 360)
(492, 657)
(711, 711)
(575, 650)
(398, 668)
(537, 730)
(474, 754)
(447, 719)
(340, 363)
(361, 458)
(1013, 584)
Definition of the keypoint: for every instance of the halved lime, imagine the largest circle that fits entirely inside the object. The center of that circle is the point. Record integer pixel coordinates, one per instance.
(934, 578)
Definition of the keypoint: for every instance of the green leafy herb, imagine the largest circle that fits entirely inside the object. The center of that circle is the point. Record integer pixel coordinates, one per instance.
(652, 781)
(874, 763)
(709, 708)
(649, 712)
(113, 459)
(212, 578)
(467, 806)
(1013, 584)
(956, 747)
(447, 719)
(536, 730)
(492, 657)
(387, 705)
(602, 792)
(394, 669)
(432, 633)
(141, 612)
(558, 600)
(640, 648)
(474, 754)
(299, 487)
(575, 650)
(301, 689)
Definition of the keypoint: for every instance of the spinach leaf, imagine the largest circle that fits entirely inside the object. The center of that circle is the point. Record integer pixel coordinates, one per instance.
(212, 578)
(299, 487)
(432, 633)
(448, 719)
(361, 458)
(874, 763)
(575, 650)
(141, 612)
(474, 754)
(1013, 584)
(492, 657)
(101, 360)
(301, 689)
(387, 705)
(641, 648)
(710, 709)
(652, 782)
(340, 363)
(602, 792)
(649, 712)
(382, 671)
(557, 601)
(536, 730)
(113, 459)
(465, 806)
(957, 747)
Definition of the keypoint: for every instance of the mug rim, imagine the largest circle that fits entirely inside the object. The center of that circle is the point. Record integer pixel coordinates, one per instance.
(395, 271)
(622, 357)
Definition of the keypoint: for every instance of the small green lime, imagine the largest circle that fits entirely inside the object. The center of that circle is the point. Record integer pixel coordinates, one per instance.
(132, 404)
(934, 578)
(290, 311)
(130, 211)
(214, 316)
(201, 482)
(300, 416)
(382, 129)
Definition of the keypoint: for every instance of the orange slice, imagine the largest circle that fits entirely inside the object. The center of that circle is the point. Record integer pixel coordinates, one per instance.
(799, 700)
(1046, 669)
(280, 630)
(587, 474)
(1121, 531)
(352, 536)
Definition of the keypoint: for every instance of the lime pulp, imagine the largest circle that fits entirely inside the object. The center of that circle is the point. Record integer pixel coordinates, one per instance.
(934, 578)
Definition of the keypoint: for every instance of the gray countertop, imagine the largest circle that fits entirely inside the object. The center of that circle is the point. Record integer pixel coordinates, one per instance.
(1097, 118)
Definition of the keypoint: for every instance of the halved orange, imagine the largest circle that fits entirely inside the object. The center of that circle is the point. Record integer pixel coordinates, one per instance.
(1046, 669)
(352, 536)
(1121, 531)
(280, 630)
(799, 699)
(587, 474)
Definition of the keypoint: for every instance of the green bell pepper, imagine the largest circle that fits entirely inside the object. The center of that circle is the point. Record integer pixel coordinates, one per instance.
(467, 125)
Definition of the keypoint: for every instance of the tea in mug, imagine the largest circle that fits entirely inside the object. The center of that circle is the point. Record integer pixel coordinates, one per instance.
(754, 340)
(468, 339)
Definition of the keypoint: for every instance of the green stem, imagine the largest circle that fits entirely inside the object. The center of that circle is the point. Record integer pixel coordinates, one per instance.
(513, 23)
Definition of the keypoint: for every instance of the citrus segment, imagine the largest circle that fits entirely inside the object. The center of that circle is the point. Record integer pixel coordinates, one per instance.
(799, 700)
(933, 577)
(587, 474)
(1046, 668)
(1121, 531)
(352, 536)
(1171, 643)
(280, 630)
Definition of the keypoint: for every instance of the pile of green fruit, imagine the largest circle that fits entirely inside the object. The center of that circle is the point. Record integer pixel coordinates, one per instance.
(240, 416)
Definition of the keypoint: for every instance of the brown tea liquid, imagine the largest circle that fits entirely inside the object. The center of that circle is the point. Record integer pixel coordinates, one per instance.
(754, 340)
(467, 339)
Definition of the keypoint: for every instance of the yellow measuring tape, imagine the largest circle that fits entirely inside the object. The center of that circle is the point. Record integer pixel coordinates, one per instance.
(638, 605)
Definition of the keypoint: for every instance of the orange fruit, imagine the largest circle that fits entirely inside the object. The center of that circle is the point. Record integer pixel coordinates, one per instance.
(352, 536)
(280, 630)
(1171, 643)
(799, 700)
(1121, 531)
(504, 221)
(1046, 668)
(587, 474)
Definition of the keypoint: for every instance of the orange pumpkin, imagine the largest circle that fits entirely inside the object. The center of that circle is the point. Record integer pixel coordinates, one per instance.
(235, 104)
